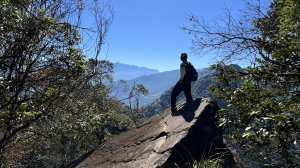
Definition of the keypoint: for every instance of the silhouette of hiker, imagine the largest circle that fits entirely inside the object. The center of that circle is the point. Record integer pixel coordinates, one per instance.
(184, 84)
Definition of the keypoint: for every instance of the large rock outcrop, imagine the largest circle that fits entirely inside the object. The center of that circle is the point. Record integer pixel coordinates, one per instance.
(163, 140)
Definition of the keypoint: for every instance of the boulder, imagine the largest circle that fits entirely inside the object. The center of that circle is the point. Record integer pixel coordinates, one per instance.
(164, 140)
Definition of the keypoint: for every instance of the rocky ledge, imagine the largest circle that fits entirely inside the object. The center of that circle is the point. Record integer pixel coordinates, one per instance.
(165, 140)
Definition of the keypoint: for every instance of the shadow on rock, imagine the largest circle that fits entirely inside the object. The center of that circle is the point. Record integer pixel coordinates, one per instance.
(187, 111)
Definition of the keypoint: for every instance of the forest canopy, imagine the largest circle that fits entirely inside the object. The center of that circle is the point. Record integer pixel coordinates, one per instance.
(54, 104)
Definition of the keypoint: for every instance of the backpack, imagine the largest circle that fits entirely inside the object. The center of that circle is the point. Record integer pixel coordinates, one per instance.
(191, 72)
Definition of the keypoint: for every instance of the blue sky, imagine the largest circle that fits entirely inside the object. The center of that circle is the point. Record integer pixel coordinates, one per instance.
(146, 32)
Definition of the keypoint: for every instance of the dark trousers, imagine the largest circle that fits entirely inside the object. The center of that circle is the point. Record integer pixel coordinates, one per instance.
(185, 86)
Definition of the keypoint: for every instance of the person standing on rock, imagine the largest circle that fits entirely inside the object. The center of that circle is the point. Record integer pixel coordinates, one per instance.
(184, 83)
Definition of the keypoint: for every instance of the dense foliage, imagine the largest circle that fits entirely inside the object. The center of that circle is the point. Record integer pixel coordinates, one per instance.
(264, 99)
(54, 104)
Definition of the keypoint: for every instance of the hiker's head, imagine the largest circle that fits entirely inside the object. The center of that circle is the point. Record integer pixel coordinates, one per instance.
(183, 56)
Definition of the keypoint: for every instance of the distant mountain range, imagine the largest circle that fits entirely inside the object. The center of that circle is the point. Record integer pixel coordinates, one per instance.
(156, 82)
(127, 72)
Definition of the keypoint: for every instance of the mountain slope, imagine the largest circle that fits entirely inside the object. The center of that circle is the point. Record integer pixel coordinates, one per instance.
(157, 83)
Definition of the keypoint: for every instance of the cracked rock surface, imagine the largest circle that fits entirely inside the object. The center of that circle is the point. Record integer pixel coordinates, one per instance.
(155, 143)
